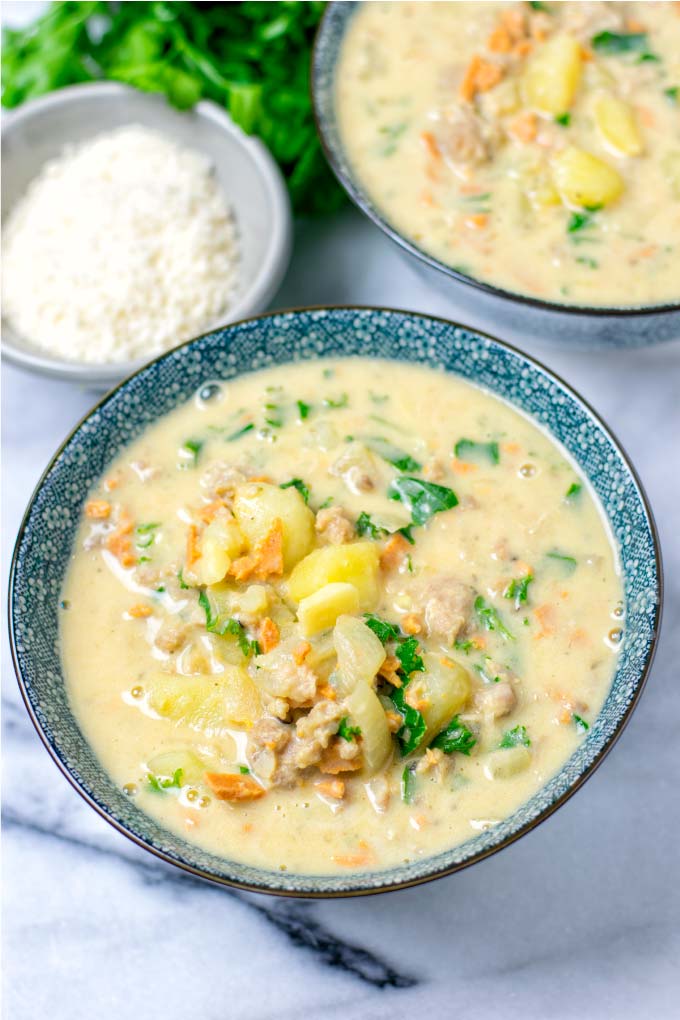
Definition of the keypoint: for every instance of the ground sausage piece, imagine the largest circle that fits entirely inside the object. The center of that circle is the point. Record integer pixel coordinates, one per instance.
(314, 732)
(496, 701)
(221, 479)
(295, 682)
(334, 526)
(171, 636)
(446, 604)
(266, 742)
(461, 138)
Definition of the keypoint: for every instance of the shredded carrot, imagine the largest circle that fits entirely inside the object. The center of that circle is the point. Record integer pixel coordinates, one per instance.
(260, 478)
(411, 623)
(334, 788)
(500, 41)
(523, 48)
(586, 54)
(476, 221)
(394, 721)
(525, 127)
(545, 615)
(234, 786)
(266, 560)
(193, 549)
(511, 447)
(480, 76)
(514, 23)
(358, 860)
(332, 763)
(478, 641)
(414, 697)
(565, 717)
(431, 147)
(112, 482)
(247, 827)
(301, 651)
(209, 512)
(268, 634)
(119, 542)
(633, 25)
(388, 670)
(394, 552)
(97, 509)
(139, 611)
(462, 467)
(328, 692)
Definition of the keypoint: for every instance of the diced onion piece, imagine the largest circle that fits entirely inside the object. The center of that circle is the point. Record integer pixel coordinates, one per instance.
(506, 763)
(319, 611)
(366, 712)
(360, 653)
(584, 180)
(617, 125)
(444, 689)
(257, 505)
(165, 765)
(553, 74)
(356, 563)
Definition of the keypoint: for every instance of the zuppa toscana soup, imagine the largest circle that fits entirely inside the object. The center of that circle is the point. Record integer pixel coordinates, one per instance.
(339, 615)
(534, 146)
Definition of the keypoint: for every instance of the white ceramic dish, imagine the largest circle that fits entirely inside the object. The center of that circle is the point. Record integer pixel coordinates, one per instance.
(39, 130)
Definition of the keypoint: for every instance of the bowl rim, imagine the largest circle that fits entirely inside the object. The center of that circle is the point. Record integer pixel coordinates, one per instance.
(387, 886)
(360, 198)
(257, 293)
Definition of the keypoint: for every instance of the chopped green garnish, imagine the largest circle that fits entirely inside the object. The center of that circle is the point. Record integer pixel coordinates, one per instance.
(586, 260)
(182, 582)
(336, 403)
(303, 409)
(456, 737)
(468, 449)
(240, 432)
(158, 785)
(515, 738)
(672, 93)
(297, 483)
(648, 57)
(573, 491)
(463, 646)
(244, 770)
(407, 653)
(413, 727)
(580, 723)
(409, 563)
(392, 133)
(579, 221)
(366, 526)
(518, 589)
(423, 499)
(346, 731)
(537, 5)
(490, 619)
(146, 535)
(393, 455)
(564, 119)
(273, 415)
(619, 42)
(378, 398)
(487, 677)
(223, 627)
(383, 629)
(193, 447)
(568, 562)
(408, 783)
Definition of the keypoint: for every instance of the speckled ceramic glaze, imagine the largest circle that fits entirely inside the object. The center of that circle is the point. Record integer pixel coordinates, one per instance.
(515, 316)
(47, 534)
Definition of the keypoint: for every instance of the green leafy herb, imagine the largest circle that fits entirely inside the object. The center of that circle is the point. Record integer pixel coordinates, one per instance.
(392, 454)
(648, 57)
(407, 653)
(240, 432)
(182, 582)
(518, 589)
(244, 770)
(303, 409)
(580, 723)
(334, 404)
(672, 93)
(252, 59)
(159, 785)
(408, 784)
(383, 629)
(297, 483)
(413, 727)
(193, 447)
(463, 646)
(423, 499)
(564, 119)
(569, 564)
(618, 42)
(273, 414)
(490, 619)
(468, 449)
(579, 221)
(515, 737)
(481, 668)
(537, 5)
(346, 731)
(146, 535)
(586, 260)
(573, 491)
(215, 625)
(366, 526)
(456, 737)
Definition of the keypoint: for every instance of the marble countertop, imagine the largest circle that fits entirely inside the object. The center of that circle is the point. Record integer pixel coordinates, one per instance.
(580, 919)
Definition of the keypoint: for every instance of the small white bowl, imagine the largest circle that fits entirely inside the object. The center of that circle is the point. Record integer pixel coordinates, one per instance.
(251, 180)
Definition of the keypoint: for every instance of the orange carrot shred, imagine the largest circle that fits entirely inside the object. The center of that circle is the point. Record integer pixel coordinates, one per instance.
(394, 552)
(268, 634)
(97, 509)
(233, 786)
(140, 611)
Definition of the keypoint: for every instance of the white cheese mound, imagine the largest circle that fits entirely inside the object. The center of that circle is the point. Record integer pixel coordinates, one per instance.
(121, 248)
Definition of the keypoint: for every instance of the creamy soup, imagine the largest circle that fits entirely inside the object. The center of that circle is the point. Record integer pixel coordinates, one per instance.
(339, 615)
(535, 146)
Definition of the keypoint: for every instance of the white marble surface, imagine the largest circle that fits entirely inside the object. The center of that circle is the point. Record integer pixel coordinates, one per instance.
(580, 919)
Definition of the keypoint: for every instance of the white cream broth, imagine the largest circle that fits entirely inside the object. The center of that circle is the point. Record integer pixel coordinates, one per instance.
(297, 757)
(534, 149)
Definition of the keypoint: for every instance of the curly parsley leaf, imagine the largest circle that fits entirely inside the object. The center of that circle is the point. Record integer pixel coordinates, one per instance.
(618, 42)
(215, 625)
(422, 499)
(399, 459)
(573, 491)
(581, 725)
(456, 737)
(346, 731)
(469, 450)
(515, 737)
(412, 730)
(407, 653)
(518, 589)
(382, 628)
(365, 525)
(303, 409)
(159, 784)
(297, 483)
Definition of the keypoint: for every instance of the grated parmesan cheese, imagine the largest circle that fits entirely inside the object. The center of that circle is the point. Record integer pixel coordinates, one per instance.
(121, 248)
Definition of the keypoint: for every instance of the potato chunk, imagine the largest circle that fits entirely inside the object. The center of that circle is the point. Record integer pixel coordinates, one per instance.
(222, 540)
(206, 703)
(506, 763)
(584, 180)
(257, 505)
(355, 563)
(444, 689)
(552, 75)
(616, 123)
(319, 611)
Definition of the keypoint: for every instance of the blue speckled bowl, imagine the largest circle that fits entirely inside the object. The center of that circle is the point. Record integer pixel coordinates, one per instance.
(47, 532)
(512, 314)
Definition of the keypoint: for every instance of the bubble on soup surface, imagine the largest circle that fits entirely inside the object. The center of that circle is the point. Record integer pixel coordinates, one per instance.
(137, 692)
(130, 789)
(209, 393)
(527, 470)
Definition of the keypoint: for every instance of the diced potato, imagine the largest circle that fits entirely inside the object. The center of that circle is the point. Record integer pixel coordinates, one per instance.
(444, 689)
(319, 611)
(257, 505)
(506, 763)
(360, 653)
(584, 180)
(206, 703)
(552, 75)
(617, 125)
(222, 541)
(366, 712)
(165, 765)
(356, 563)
